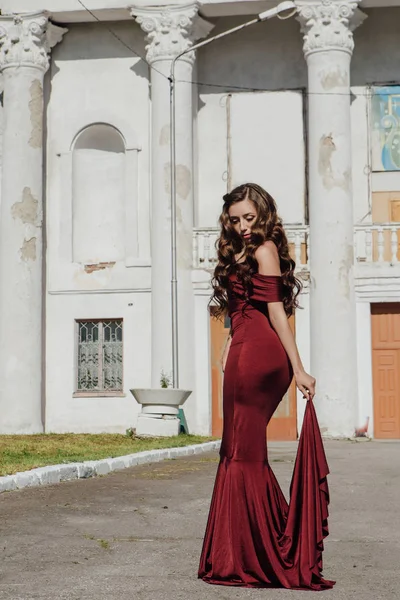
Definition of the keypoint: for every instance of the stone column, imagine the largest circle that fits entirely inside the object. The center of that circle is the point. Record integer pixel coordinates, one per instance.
(328, 46)
(171, 30)
(25, 42)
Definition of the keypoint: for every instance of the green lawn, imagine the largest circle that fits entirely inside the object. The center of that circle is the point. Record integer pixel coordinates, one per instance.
(24, 452)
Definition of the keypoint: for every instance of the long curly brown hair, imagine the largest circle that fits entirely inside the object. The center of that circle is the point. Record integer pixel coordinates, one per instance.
(268, 226)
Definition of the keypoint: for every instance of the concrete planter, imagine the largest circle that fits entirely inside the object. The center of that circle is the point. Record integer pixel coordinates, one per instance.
(160, 409)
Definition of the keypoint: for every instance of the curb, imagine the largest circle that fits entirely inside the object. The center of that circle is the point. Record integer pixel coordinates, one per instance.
(91, 468)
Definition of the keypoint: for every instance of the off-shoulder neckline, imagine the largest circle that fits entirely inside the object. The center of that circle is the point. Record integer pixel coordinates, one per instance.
(261, 275)
(267, 276)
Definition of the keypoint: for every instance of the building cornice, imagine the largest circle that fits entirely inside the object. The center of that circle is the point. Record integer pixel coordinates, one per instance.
(68, 11)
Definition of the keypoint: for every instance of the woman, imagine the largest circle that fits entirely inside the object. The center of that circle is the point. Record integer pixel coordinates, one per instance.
(253, 537)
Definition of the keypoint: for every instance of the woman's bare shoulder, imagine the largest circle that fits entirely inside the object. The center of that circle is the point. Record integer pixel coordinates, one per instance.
(267, 258)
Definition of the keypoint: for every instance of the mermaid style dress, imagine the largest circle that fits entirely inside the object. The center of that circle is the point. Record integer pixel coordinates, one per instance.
(254, 538)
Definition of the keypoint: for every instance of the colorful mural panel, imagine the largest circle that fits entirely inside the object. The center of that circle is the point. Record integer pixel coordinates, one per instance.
(386, 128)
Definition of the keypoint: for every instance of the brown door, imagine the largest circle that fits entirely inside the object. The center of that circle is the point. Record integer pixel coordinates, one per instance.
(386, 369)
(385, 209)
(283, 425)
(219, 335)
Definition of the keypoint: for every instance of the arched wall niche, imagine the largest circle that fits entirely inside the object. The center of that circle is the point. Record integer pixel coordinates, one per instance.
(98, 195)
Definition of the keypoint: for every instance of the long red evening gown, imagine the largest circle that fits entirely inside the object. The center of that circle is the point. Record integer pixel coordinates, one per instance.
(253, 537)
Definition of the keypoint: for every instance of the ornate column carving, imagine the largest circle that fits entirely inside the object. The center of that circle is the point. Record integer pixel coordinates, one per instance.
(328, 27)
(25, 43)
(27, 40)
(171, 30)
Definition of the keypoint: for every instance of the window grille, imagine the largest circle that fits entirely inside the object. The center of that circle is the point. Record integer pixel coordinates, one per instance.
(100, 356)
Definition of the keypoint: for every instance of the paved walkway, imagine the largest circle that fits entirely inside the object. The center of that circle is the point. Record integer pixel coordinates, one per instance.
(137, 534)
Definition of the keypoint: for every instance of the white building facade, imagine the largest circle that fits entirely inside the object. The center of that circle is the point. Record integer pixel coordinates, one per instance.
(308, 107)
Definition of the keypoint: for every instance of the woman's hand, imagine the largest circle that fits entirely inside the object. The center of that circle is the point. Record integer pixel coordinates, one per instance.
(306, 384)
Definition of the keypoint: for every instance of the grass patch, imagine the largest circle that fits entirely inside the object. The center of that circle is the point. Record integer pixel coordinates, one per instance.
(24, 452)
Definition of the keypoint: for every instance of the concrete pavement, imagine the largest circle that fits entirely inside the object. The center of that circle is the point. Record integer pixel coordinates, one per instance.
(137, 534)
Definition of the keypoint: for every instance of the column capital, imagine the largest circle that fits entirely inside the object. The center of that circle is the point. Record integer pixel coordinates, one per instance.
(329, 24)
(171, 29)
(27, 39)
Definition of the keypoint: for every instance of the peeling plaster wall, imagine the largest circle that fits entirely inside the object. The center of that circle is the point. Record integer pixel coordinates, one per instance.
(21, 254)
(265, 57)
(375, 61)
(270, 57)
(27, 209)
(94, 79)
(66, 413)
(1, 129)
(35, 109)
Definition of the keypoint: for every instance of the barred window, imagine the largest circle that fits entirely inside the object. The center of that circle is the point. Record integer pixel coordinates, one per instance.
(99, 356)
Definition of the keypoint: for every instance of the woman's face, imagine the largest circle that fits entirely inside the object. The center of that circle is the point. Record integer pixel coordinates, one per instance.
(243, 216)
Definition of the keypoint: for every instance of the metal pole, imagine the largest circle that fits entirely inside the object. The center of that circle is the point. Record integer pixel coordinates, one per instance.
(174, 278)
(282, 8)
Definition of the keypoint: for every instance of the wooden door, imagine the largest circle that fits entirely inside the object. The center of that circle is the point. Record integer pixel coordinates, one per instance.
(386, 369)
(385, 209)
(395, 211)
(219, 335)
(283, 425)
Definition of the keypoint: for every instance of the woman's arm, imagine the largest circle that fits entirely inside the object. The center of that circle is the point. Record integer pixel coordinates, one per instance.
(226, 351)
(268, 264)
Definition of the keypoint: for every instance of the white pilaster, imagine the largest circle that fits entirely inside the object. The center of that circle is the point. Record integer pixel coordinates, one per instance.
(302, 324)
(25, 43)
(203, 389)
(328, 44)
(364, 362)
(170, 30)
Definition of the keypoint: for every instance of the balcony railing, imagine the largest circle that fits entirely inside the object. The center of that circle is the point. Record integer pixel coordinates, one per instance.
(373, 245)
(205, 256)
(377, 243)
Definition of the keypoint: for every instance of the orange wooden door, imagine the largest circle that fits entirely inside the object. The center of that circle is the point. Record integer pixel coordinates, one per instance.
(386, 369)
(283, 425)
(385, 209)
(219, 335)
